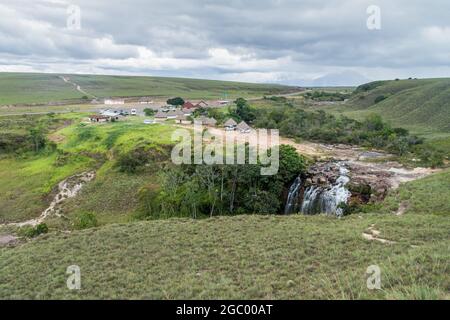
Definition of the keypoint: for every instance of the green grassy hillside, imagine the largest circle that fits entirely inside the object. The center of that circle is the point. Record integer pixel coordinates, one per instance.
(254, 257)
(27, 181)
(105, 86)
(420, 105)
(28, 88)
(241, 257)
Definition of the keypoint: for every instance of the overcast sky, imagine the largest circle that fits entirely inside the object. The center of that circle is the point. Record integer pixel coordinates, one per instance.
(258, 41)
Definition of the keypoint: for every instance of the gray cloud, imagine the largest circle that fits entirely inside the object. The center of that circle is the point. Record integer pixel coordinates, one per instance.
(266, 40)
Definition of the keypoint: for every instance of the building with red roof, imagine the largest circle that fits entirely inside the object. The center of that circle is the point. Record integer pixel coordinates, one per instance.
(188, 105)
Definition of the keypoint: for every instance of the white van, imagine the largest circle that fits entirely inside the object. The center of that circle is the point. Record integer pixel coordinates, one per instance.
(133, 112)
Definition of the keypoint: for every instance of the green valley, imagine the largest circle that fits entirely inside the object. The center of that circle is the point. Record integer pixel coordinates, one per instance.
(143, 227)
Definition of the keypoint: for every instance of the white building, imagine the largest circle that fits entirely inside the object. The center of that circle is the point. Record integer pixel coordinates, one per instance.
(114, 101)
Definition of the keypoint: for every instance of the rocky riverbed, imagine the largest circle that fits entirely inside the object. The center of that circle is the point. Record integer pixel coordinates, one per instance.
(346, 175)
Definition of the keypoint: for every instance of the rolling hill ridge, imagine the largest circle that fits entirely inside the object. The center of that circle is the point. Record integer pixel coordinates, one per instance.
(407, 103)
(37, 88)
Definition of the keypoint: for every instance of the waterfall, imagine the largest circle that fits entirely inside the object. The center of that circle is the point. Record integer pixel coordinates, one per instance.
(326, 199)
(292, 197)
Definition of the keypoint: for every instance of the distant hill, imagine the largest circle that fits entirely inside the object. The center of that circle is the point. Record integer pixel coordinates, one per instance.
(35, 88)
(343, 79)
(347, 78)
(407, 103)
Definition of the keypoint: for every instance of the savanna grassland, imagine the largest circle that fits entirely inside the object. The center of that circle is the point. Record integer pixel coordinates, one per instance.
(128, 248)
(420, 105)
(26, 88)
(241, 257)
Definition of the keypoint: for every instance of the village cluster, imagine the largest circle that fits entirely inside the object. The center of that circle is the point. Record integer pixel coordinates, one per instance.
(183, 114)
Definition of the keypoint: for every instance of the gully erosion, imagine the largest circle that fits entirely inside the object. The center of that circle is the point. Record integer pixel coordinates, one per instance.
(344, 176)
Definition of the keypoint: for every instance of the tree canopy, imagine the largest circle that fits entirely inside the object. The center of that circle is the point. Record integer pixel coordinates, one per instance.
(177, 101)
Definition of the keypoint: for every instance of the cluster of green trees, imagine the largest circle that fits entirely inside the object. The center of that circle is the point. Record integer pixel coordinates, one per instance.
(327, 96)
(242, 111)
(321, 126)
(210, 190)
(369, 86)
(26, 134)
(177, 101)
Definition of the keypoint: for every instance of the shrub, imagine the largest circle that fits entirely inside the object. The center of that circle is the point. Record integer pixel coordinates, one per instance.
(380, 98)
(132, 161)
(149, 112)
(85, 220)
(31, 232)
(136, 159)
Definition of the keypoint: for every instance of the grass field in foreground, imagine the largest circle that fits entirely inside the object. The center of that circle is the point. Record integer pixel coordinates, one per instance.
(241, 257)
(252, 257)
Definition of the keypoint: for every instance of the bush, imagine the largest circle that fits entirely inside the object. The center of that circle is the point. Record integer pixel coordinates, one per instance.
(132, 161)
(85, 220)
(31, 232)
(136, 159)
(380, 98)
(149, 112)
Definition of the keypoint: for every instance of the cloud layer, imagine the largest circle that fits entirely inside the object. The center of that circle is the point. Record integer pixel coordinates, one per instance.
(264, 41)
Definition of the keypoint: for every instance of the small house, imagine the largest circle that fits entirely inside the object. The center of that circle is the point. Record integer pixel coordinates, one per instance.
(98, 118)
(187, 112)
(160, 116)
(188, 105)
(183, 119)
(114, 101)
(173, 114)
(209, 122)
(243, 127)
(145, 100)
(201, 104)
(230, 125)
(113, 115)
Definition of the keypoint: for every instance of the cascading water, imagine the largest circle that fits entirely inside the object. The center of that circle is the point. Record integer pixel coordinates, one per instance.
(320, 197)
(292, 197)
(327, 199)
